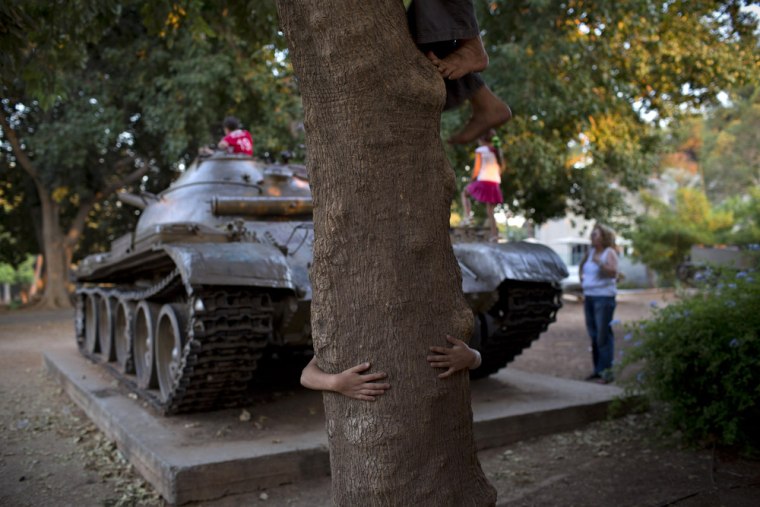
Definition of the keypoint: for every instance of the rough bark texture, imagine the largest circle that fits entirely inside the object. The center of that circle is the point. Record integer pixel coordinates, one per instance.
(57, 255)
(386, 282)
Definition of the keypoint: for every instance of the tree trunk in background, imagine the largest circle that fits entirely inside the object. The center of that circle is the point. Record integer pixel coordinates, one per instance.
(57, 256)
(386, 282)
(57, 251)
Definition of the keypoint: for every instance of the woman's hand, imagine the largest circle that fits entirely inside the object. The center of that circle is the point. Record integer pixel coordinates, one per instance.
(609, 267)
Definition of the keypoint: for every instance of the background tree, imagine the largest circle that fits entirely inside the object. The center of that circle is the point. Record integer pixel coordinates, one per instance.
(712, 158)
(664, 235)
(720, 145)
(98, 97)
(17, 205)
(586, 81)
(386, 282)
(746, 212)
(730, 153)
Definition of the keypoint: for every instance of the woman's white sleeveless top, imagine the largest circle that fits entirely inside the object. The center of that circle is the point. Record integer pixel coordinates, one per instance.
(593, 283)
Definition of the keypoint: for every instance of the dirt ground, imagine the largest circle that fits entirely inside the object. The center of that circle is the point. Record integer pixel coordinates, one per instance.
(50, 454)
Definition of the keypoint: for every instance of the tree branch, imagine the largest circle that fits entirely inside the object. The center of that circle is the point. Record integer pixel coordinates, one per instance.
(23, 159)
(126, 180)
(77, 225)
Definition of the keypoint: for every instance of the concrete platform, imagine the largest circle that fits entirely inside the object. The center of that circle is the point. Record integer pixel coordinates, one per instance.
(281, 438)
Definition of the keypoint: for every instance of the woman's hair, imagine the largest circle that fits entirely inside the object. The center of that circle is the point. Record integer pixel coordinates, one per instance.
(231, 123)
(608, 241)
(607, 234)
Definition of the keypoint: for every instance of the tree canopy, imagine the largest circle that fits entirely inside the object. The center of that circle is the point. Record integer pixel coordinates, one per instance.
(712, 163)
(665, 234)
(95, 90)
(587, 81)
(726, 145)
(98, 95)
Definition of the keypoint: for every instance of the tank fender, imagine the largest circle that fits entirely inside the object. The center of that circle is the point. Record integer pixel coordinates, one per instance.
(486, 265)
(233, 264)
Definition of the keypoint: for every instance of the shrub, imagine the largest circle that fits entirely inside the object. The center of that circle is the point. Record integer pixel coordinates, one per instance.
(699, 359)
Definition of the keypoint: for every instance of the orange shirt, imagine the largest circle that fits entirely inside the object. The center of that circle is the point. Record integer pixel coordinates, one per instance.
(486, 165)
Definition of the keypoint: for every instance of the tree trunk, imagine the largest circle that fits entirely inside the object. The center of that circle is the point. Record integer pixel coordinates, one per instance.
(56, 250)
(57, 255)
(386, 282)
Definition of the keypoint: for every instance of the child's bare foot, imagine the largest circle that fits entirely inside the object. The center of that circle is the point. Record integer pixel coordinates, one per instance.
(470, 56)
(488, 111)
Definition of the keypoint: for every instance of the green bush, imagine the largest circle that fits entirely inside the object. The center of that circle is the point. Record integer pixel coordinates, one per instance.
(699, 360)
(24, 273)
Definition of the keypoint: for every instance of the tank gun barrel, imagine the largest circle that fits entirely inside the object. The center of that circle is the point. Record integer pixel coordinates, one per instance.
(261, 206)
(138, 201)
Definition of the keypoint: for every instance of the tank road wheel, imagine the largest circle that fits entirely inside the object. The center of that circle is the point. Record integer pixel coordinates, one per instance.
(91, 322)
(144, 339)
(79, 319)
(171, 332)
(122, 338)
(106, 327)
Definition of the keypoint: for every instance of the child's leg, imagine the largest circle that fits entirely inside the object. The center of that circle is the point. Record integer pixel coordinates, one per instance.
(466, 207)
(468, 57)
(447, 31)
(488, 111)
(454, 21)
(490, 208)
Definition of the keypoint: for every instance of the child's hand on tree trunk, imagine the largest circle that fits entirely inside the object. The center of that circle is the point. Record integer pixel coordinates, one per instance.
(458, 357)
(353, 384)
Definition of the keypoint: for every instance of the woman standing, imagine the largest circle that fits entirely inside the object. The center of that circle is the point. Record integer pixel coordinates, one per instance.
(598, 272)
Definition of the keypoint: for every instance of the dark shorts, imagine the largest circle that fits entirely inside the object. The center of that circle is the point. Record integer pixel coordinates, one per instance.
(442, 20)
(435, 26)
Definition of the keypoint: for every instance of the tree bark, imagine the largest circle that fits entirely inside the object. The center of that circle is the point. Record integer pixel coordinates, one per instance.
(385, 280)
(57, 256)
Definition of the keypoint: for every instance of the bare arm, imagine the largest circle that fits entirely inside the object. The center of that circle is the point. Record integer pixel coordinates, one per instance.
(586, 258)
(478, 164)
(609, 267)
(349, 383)
(458, 357)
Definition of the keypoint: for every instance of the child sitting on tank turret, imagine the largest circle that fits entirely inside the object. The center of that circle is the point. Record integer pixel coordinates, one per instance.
(235, 140)
(365, 386)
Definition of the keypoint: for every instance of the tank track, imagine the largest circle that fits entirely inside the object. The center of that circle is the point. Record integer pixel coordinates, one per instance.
(523, 311)
(225, 333)
(223, 346)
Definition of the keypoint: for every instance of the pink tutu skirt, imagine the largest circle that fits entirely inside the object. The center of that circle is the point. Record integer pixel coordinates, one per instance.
(485, 191)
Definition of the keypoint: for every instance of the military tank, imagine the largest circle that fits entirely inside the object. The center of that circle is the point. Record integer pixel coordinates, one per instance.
(214, 282)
